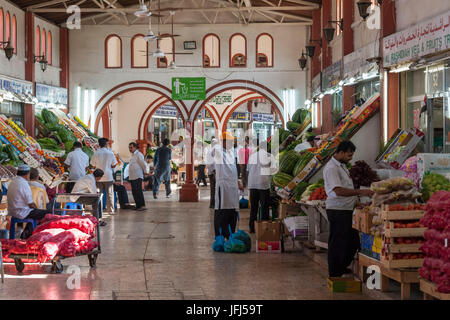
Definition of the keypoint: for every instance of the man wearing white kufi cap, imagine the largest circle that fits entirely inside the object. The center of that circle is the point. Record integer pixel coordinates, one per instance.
(20, 200)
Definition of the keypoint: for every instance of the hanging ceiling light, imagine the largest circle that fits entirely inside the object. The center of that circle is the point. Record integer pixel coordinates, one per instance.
(310, 49)
(172, 65)
(9, 51)
(363, 6)
(302, 61)
(158, 53)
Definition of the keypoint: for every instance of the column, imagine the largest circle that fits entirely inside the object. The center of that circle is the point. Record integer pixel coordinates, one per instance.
(29, 70)
(142, 146)
(64, 61)
(189, 190)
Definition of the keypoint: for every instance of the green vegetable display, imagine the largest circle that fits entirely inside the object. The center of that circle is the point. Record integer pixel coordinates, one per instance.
(3, 157)
(293, 145)
(49, 144)
(66, 135)
(288, 161)
(9, 150)
(305, 196)
(299, 190)
(300, 115)
(283, 134)
(281, 179)
(433, 182)
(293, 126)
(88, 151)
(49, 117)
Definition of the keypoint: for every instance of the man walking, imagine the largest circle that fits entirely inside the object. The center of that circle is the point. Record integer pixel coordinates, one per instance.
(138, 168)
(78, 162)
(163, 155)
(343, 241)
(261, 166)
(227, 187)
(105, 160)
(211, 173)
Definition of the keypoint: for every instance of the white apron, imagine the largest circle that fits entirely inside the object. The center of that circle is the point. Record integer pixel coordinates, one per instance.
(227, 189)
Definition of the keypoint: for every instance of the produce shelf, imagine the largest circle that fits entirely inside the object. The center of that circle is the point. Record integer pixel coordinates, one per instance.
(401, 263)
(429, 290)
(404, 232)
(404, 248)
(402, 215)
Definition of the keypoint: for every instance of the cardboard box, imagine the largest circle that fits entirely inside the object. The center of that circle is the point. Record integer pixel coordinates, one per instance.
(433, 163)
(268, 246)
(297, 225)
(366, 222)
(356, 221)
(286, 209)
(343, 285)
(268, 230)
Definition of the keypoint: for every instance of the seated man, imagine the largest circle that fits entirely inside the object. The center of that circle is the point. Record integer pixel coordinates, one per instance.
(20, 200)
(122, 194)
(34, 182)
(88, 185)
(149, 178)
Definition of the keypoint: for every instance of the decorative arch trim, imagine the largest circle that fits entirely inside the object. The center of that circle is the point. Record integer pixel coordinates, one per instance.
(132, 52)
(257, 51)
(203, 50)
(140, 127)
(244, 53)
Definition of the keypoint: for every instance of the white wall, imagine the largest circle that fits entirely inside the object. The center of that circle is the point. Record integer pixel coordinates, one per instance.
(410, 12)
(87, 58)
(362, 35)
(16, 66)
(51, 75)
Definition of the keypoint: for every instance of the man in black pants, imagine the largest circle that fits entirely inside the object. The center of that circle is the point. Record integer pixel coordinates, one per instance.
(343, 241)
(201, 175)
(20, 200)
(261, 165)
(138, 168)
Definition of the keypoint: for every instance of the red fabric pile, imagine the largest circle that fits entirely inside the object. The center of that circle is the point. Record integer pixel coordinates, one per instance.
(436, 266)
(55, 235)
(85, 224)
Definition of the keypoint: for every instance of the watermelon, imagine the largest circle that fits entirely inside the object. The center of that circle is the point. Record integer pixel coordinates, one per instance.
(300, 115)
(288, 161)
(281, 179)
(49, 117)
(299, 189)
(305, 159)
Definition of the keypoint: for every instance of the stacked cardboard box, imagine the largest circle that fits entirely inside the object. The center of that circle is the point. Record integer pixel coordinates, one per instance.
(268, 235)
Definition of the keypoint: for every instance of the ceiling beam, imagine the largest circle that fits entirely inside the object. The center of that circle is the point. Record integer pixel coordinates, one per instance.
(45, 4)
(266, 16)
(306, 3)
(207, 9)
(288, 15)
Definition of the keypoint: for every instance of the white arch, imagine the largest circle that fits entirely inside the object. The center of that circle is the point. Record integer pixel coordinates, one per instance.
(136, 85)
(242, 84)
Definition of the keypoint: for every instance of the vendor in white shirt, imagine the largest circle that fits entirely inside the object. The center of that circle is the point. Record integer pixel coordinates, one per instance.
(138, 168)
(305, 145)
(88, 185)
(343, 241)
(20, 200)
(261, 165)
(77, 162)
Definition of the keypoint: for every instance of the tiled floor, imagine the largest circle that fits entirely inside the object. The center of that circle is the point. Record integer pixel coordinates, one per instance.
(165, 253)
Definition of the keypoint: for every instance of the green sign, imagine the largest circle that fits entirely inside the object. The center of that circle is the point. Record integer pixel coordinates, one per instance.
(189, 88)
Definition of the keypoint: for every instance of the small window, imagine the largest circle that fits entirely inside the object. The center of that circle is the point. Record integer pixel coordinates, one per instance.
(1, 24)
(340, 14)
(139, 52)
(238, 50)
(43, 43)
(14, 34)
(167, 46)
(8, 27)
(49, 48)
(113, 52)
(211, 51)
(37, 44)
(264, 51)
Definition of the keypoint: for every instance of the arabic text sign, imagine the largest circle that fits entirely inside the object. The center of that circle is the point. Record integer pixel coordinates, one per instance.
(223, 98)
(241, 116)
(422, 39)
(169, 111)
(263, 117)
(331, 75)
(316, 85)
(17, 86)
(51, 94)
(189, 88)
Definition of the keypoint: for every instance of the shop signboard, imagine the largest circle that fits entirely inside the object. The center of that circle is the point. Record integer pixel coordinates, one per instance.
(332, 75)
(430, 36)
(51, 94)
(188, 88)
(316, 85)
(167, 111)
(263, 117)
(222, 98)
(16, 86)
(356, 64)
(240, 116)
